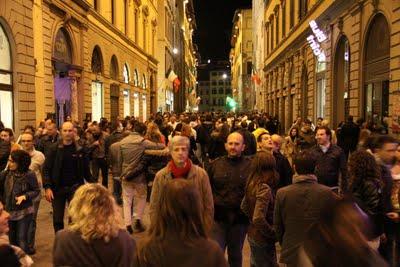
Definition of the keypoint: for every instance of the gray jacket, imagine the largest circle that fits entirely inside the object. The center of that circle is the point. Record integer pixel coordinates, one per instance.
(114, 159)
(132, 148)
(297, 207)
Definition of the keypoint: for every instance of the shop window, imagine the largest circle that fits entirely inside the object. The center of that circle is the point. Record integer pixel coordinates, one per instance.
(125, 73)
(6, 95)
(97, 101)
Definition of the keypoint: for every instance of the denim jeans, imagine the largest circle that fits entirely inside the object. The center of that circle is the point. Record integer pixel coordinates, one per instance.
(262, 255)
(231, 237)
(18, 232)
(32, 225)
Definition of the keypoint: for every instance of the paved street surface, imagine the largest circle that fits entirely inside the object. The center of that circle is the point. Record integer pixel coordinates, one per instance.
(45, 238)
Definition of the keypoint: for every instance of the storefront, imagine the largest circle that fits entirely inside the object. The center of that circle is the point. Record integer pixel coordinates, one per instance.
(127, 94)
(97, 85)
(114, 89)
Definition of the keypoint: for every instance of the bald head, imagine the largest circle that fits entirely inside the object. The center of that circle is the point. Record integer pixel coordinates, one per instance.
(277, 141)
(67, 132)
(234, 145)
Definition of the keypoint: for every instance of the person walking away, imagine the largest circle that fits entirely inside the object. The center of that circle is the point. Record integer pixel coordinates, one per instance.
(282, 163)
(331, 163)
(307, 136)
(132, 148)
(365, 186)
(298, 206)
(18, 187)
(96, 235)
(65, 169)
(258, 205)
(249, 140)
(181, 167)
(349, 134)
(228, 178)
(98, 155)
(178, 234)
(37, 161)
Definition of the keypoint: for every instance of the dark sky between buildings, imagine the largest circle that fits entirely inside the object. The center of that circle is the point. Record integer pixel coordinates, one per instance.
(214, 26)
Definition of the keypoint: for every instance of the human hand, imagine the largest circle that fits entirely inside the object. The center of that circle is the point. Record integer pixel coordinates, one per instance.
(20, 199)
(49, 195)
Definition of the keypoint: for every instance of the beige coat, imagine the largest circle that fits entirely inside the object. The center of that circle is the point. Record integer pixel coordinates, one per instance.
(200, 179)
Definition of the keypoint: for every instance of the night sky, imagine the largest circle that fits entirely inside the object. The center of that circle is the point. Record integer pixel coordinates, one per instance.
(214, 26)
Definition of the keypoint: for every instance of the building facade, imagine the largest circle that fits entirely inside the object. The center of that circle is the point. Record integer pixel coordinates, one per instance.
(241, 59)
(258, 7)
(332, 59)
(88, 59)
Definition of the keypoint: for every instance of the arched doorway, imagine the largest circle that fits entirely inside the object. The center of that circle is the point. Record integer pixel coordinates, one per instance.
(65, 85)
(114, 89)
(377, 70)
(341, 95)
(304, 93)
(97, 85)
(6, 81)
(127, 92)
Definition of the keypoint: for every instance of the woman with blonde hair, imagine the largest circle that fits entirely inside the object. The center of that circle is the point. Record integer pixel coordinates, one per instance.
(177, 235)
(96, 235)
(153, 133)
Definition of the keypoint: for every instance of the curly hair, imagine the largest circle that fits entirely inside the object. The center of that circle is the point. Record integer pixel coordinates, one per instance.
(362, 166)
(94, 213)
(22, 159)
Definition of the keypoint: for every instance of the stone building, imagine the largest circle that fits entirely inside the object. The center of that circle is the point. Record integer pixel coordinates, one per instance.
(84, 59)
(332, 59)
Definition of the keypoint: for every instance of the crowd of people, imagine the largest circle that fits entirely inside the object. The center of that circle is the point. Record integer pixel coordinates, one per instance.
(325, 197)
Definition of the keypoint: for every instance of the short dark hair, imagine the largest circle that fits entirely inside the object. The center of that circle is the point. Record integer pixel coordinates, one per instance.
(9, 131)
(259, 138)
(380, 140)
(140, 128)
(326, 128)
(243, 124)
(22, 159)
(304, 162)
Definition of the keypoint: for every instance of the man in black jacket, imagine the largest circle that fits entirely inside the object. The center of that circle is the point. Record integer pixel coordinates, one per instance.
(65, 169)
(228, 176)
(282, 163)
(331, 164)
(50, 138)
(348, 136)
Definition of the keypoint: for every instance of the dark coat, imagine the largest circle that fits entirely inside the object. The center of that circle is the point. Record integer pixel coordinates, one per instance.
(249, 141)
(46, 142)
(284, 169)
(331, 166)
(25, 184)
(348, 136)
(175, 252)
(5, 148)
(53, 166)
(71, 250)
(228, 178)
(297, 207)
(217, 147)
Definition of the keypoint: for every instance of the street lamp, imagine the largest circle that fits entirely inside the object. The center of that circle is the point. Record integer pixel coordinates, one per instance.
(209, 61)
(224, 76)
(175, 51)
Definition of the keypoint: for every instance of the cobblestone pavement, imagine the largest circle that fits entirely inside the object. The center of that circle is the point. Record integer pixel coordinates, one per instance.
(45, 238)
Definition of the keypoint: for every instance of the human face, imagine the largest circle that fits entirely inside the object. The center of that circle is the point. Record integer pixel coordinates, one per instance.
(322, 137)
(67, 132)
(234, 145)
(4, 216)
(27, 142)
(180, 154)
(266, 142)
(5, 136)
(293, 132)
(51, 129)
(388, 153)
(12, 165)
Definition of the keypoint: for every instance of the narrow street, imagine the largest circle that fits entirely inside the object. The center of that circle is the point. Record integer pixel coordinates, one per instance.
(45, 238)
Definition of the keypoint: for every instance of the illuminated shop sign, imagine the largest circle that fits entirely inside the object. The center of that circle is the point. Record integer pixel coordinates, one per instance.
(315, 39)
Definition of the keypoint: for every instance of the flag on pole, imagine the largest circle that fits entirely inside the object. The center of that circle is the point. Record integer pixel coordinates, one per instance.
(172, 76)
(177, 83)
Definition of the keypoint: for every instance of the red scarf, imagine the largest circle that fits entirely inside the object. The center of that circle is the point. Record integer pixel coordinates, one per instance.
(180, 172)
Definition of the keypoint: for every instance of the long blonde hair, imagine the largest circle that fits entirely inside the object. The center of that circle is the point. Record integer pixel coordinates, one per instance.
(94, 213)
(153, 133)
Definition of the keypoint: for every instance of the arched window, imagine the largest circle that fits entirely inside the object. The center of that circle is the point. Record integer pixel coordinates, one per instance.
(6, 96)
(114, 68)
(144, 82)
(136, 78)
(125, 73)
(97, 60)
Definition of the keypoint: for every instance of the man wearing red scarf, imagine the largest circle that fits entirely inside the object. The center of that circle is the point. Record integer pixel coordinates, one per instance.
(181, 167)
